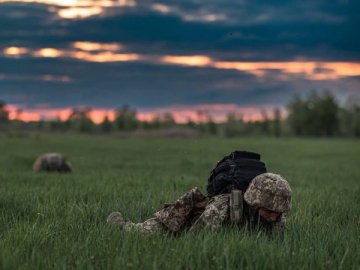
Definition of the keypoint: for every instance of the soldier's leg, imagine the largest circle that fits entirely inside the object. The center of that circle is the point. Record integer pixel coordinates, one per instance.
(171, 218)
(151, 225)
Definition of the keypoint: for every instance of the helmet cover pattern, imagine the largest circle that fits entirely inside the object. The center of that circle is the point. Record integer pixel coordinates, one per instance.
(270, 191)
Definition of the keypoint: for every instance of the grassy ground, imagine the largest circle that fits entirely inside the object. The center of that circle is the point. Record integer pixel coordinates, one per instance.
(58, 221)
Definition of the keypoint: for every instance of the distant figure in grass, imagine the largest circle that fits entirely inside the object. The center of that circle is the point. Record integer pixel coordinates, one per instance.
(52, 162)
(240, 193)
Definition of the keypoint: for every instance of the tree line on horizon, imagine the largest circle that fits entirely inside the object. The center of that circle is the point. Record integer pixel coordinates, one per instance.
(312, 115)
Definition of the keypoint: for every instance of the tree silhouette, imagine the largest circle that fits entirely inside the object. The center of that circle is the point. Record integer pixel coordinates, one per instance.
(80, 119)
(277, 122)
(4, 113)
(126, 119)
(316, 115)
(106, 125)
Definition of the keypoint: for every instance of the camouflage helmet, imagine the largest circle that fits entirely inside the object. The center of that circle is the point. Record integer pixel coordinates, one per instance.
(270, 191)
(52, 162)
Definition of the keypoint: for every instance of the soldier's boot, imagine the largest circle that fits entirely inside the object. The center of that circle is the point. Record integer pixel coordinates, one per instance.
(117, 219)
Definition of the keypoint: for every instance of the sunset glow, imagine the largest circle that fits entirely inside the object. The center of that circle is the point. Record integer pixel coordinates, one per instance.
(15, 51)
(95, 46)
(181, 114)
(312, 70)
(104, 57)
(78, 9)
(108, 52)
(152, 55)
(77, 3)
(98, 115)
(79, 12)
(48, 52)
(205, 112)
(193, 60)
(28, 115)
(47, 2)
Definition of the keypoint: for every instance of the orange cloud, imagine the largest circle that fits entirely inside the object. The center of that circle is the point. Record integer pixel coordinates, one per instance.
(104, 56)
(47, 2)
(48, 52)
(79, 12)
(311, 70)
(15, 51)
(192, 60)
(107, 52)
(73, 9)
(95, 46)
(90, 52)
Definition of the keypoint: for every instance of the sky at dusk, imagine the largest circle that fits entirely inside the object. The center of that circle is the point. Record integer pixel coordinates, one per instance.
(178, 56)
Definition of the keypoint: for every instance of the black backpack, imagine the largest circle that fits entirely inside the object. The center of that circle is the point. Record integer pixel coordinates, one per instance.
(234, 171)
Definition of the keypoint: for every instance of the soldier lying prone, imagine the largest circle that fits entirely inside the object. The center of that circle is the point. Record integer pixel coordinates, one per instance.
(264, 204)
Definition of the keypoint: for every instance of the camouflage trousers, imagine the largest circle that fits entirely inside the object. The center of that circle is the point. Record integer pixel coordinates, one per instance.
(192, 211)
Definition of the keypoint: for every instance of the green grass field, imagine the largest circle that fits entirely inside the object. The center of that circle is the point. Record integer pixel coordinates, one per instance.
(58, 221)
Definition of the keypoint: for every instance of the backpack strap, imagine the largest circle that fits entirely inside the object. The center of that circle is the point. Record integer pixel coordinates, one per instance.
(236, 206)
(236, 169)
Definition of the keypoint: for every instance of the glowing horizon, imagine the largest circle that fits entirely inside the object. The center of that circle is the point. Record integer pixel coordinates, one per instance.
(180, 113)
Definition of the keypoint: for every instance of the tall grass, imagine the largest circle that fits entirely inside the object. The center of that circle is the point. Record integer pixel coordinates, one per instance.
(58, 221)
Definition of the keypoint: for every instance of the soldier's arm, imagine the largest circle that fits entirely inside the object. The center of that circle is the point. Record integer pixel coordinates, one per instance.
(216, 212)
(175, 216)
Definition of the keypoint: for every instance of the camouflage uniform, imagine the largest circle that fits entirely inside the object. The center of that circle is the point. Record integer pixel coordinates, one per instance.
(194, 211)
(52, 162)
